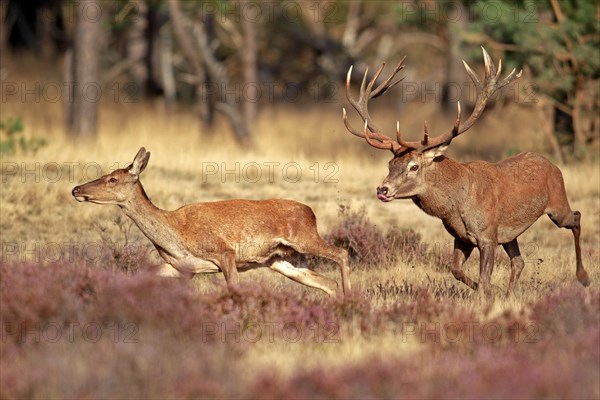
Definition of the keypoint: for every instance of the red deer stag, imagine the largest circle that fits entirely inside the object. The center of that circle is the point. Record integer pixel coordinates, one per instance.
(222, 235)
(481, 204)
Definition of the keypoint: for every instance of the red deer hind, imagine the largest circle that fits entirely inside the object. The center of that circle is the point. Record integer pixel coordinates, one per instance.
(222, 235)
(480, 204)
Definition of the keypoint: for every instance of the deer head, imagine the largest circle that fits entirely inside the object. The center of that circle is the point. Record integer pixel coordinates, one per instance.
(116, 187)
(407, 170)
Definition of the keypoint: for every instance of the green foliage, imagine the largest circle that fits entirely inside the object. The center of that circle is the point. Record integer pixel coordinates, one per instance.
(12, 139)
(556, 42)
(533, 36)
(562, 52)
(12, 125)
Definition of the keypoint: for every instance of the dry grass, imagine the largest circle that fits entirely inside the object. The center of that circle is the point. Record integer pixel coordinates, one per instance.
(42, 224)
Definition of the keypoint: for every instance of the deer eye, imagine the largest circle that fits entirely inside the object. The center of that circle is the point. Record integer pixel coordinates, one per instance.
(112, 180)
(414, 167)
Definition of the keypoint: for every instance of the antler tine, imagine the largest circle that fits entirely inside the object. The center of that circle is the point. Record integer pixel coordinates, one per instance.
(385, 85)
(425, 134)
(511, 77)
(472, 75)
(457, 121)
(373, 80)
(490, 68)
(348, 126)
(485, 90)
(362, 86)
(499, 69)
(348, 77)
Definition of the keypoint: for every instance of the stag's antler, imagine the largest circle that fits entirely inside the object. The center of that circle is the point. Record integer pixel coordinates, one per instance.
(485, 90)
(376, 139)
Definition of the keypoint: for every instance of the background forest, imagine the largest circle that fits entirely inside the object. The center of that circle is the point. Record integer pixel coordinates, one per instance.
(232, 59)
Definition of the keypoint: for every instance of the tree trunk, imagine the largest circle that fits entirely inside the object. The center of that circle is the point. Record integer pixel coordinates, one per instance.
(83, 82)
(193, 57)
(3, 27)
(138, 49)
(579, 128)
(167, 73)
(208, 100)
(546, 112)
(203, 59)
(44, 27)
(248, 56)
(452, 88)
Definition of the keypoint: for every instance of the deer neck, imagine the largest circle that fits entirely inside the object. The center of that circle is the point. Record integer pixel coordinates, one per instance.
(152, 221)
(444, 194)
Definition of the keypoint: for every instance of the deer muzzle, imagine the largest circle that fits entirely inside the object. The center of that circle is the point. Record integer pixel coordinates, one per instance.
(76, 192)
(382, 193)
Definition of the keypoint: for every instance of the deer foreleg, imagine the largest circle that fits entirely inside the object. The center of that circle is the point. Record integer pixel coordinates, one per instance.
(487, 253)
(462, 251)
(516, 264)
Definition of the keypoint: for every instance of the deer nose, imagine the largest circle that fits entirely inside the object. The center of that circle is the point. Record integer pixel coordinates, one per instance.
(75, 191)
(382, 190)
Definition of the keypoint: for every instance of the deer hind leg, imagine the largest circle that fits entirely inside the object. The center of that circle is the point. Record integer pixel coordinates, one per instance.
(318, 247)
(229, 268)
(305, 276)
(572, 220)
(516, 264)
(462, 251)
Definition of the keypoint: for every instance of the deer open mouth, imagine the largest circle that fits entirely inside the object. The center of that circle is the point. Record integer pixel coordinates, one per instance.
(384, 198)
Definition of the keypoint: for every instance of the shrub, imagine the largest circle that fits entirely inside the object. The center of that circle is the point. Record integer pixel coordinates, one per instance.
(364, 241)
(13, 138)
(126, 255)
(368, 245)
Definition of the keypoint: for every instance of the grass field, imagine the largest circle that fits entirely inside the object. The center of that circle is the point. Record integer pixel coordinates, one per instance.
(82, 317)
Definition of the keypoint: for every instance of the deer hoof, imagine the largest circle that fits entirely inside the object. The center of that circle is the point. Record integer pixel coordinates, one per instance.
(583, 278)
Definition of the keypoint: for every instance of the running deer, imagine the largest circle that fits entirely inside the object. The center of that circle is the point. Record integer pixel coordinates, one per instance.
(481, 204)
(224, 236)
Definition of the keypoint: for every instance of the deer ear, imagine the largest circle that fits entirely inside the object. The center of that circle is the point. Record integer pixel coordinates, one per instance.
(431, 154)
(139, 162)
